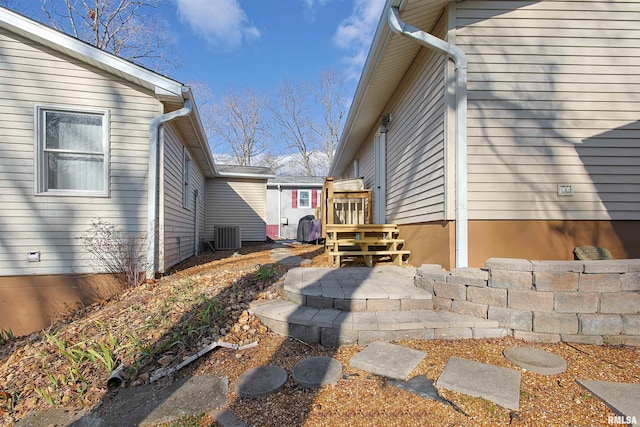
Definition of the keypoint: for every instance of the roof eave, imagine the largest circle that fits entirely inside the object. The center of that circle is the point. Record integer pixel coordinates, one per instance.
(245, 175)
(59, 41)
(376, 50)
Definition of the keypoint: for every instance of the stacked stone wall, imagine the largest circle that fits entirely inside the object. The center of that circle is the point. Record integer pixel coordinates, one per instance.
(592, 302)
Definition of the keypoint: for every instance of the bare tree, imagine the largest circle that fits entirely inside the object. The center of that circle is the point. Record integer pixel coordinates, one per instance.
(331, 95)
(121, 27)
(292, 115)
(271, 161)
(240, 125)
(205, 99)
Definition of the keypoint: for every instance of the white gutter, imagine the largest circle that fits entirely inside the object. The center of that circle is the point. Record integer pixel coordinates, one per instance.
(152, 190)
(245, 175)
(460, 61)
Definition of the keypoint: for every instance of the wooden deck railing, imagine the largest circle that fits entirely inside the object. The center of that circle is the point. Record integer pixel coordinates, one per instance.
(348, 230)
(345, 206)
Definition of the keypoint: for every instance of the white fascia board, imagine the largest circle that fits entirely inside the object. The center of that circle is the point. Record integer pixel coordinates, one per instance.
(245, 175)
(64, 43)
(368, 70)
(295, 184)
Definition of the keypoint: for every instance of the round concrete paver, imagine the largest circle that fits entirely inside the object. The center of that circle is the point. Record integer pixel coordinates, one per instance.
(534, 360)
(315, 372)
(261, 381)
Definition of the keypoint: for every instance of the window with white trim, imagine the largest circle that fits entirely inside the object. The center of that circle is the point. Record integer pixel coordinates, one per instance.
(187, 190)
(72, 152)
(304, 198)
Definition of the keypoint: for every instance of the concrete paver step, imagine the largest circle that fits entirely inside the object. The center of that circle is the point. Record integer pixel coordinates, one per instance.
(334, 327)
(494, 383)
(622, 398)
(357, 289)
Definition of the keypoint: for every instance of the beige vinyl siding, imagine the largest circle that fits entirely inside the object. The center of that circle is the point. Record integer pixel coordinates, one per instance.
(31, 76)
(415, 142)
(554, 98)
(366, 162)
(237, 202)
(177, 223)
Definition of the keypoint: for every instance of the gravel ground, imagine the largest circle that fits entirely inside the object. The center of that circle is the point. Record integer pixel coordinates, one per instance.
(161, 323)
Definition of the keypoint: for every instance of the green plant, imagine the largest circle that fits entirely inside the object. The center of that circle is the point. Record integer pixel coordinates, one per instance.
(104, 354)
(5, 336)
(266, 271)
(47, 395)
(116, 252)
(211, 310)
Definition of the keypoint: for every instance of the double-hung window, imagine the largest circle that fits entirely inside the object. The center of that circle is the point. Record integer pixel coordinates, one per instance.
(304, 198)
(72, 152)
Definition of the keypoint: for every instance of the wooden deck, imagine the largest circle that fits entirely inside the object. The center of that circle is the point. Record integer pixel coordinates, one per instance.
(366, 240)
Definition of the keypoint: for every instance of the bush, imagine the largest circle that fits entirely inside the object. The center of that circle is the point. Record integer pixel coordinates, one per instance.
(115, 252)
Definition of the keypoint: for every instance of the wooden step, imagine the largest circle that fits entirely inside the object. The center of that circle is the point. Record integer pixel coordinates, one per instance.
(396, 255)
(355, 228)
(372, 241)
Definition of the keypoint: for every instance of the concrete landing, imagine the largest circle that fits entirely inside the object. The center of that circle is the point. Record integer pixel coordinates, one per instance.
(622, 398)
(388, 360)
(388, 288)
(494, 383)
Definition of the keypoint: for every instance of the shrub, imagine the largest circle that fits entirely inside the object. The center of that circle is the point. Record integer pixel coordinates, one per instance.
(115, 252)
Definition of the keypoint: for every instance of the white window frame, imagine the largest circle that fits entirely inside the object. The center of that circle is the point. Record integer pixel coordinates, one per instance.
(187, 179)
(41, 183)
(309, 192)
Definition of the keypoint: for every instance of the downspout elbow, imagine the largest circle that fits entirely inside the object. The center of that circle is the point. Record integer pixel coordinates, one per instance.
(451, 50)
(460, 61)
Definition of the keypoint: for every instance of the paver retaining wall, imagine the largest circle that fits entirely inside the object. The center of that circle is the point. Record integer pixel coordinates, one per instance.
(592, 302)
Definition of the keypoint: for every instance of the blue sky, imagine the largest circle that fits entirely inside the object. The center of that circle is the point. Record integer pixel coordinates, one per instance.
(255, 43)
(232, 44)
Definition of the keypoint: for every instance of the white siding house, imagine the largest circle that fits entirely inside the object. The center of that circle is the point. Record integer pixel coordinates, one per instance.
(85, 136)
(289, 198)
(237, 197)
(553, 160)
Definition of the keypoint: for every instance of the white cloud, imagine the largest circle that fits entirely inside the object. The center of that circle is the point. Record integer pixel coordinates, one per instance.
(222, 23)
(354, 34)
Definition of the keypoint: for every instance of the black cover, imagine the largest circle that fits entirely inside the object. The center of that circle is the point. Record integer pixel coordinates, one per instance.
(304, 226)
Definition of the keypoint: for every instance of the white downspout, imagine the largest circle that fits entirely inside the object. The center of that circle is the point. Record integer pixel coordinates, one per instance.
(152, 191)
(196, 234)
(460, 61)
(279, 210)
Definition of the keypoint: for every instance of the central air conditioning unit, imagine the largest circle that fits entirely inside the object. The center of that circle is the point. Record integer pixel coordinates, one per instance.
(226, 237)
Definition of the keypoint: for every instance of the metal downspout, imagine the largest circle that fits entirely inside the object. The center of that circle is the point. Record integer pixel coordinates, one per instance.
(279, 210)
(460, 61)
(153, 196)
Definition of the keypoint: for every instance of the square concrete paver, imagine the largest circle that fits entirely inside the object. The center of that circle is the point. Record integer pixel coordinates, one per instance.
(622, 398)
(499, 385)
(388, 360)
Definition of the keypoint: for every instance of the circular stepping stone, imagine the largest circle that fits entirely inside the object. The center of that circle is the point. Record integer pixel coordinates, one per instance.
(261, 381)
(534, 360)
(315, 372)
